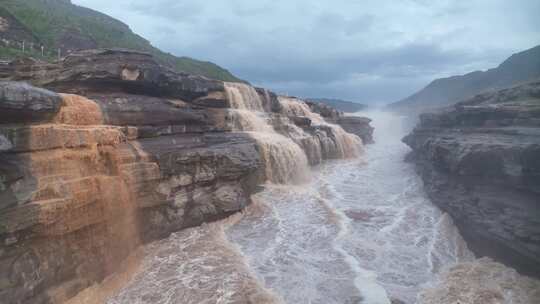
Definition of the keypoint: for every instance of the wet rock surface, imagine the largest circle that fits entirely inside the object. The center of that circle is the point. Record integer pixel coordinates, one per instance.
(22, 103)
(480, 162)
(131, 154)
(359, 126)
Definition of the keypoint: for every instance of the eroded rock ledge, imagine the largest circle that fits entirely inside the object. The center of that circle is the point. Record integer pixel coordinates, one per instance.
(480, 162)
(352, 124)
(139, 152)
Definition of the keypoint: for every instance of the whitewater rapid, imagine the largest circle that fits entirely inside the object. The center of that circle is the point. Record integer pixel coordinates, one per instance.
(360, 231)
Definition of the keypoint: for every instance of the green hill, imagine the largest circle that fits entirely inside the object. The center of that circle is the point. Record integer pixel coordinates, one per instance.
(59, 24)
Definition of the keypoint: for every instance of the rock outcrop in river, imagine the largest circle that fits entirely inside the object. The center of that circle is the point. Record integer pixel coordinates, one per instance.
(480, 162)
(115, 150)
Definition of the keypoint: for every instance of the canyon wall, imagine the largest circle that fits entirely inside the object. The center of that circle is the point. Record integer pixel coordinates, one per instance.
(480, 162)
(113, 150)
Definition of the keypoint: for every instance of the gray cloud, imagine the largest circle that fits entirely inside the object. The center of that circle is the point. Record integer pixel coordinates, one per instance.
(369, 51)
(174, 11)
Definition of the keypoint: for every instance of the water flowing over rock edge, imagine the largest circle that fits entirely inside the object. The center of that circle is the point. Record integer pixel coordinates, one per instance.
(145, 139)
(250, 236)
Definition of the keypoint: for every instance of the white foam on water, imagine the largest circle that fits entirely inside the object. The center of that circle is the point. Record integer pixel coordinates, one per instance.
(365, 281)
(358, 232)
(364, 230)
(292, 247)
(197, 266)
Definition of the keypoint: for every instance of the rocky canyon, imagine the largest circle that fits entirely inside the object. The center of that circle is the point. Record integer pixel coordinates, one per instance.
(276, 170)
(479, 161)
(107, 150)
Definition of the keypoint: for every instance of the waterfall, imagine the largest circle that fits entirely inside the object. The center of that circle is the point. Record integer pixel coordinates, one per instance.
(246, 120)
(284, 160)
(310, 143)
(243, 97)
(343, 145)
(285, 147)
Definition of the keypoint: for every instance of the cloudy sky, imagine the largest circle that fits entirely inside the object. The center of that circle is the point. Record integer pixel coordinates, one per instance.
(372, 51)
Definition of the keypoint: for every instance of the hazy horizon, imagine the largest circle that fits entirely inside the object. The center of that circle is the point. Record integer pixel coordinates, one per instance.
(370, 52)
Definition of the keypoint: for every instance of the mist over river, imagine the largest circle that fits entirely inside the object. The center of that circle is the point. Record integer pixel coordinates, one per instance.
(360, 231)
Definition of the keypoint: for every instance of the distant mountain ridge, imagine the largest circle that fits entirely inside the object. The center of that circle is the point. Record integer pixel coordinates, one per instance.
(341, 105)
(59, 24)
(520, 67)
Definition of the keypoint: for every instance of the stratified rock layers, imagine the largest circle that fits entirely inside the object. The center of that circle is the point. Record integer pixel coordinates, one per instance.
(359, 126)
(480, 162)
(138, 153)
(77, 197)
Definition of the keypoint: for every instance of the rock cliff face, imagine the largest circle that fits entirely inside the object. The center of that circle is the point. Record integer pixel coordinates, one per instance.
(480, 162)
(127, 152)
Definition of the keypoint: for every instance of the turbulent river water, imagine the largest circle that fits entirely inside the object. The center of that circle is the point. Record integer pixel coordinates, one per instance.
(360, 231)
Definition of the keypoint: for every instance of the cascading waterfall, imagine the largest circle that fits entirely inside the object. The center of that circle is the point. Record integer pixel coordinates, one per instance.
(201, 265)
(323, 141)
(249, 121)
(284, 160)
(311, 144)
(243, 97)
(345, 144)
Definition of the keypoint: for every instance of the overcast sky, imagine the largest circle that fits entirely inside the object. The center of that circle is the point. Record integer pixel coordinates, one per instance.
(365, 51)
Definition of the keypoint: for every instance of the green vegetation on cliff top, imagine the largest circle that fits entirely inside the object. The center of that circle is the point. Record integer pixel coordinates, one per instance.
(60, 24)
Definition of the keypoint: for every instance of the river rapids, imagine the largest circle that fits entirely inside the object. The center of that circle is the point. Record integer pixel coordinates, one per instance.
(360, 231)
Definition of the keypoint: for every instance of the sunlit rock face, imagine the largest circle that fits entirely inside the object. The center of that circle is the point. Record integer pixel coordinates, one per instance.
(482, 281)
(125, 153)
(480, 162)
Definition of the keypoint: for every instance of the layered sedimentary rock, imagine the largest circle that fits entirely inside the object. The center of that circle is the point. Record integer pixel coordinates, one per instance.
(480, 162)
(127, 152)
(78, 196)
(352, 124)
